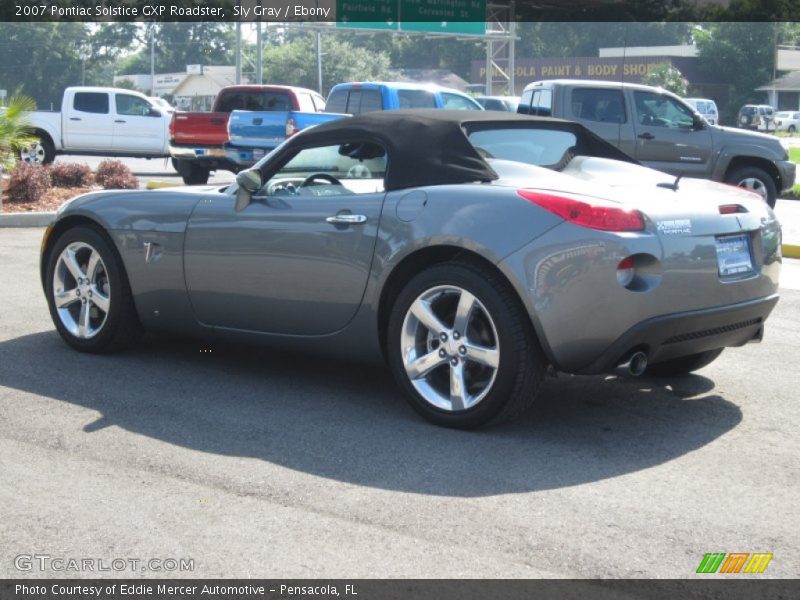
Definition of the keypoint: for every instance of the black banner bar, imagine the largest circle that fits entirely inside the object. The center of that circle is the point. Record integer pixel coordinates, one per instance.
(385, 11)
(734, 588)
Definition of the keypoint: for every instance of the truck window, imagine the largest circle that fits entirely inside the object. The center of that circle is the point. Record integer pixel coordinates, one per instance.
(127, 104)
(416, 99)
(525, 102)
(658, 110)
(542, 103)
(337, 102)
(370, 101)
(319, 102)
(354, 102)
(91, 102)
(598, 104)
(456, 102)
(306, 103)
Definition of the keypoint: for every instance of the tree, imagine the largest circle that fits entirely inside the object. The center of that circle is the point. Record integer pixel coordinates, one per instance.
(14, 130)
(295, 63)
(743, 53)
(668, 77)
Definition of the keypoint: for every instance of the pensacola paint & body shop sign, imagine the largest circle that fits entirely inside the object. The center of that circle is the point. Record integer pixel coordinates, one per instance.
(631, 70)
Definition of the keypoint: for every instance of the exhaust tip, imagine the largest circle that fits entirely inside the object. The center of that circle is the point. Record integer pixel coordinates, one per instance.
(637, 364)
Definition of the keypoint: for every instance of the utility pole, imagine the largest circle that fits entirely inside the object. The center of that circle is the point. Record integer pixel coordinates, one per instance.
(259, 54)
(238, 52)
(152, 59)
(319, 61)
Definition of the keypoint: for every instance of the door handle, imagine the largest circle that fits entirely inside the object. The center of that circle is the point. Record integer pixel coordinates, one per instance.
(646, 136)
(119, 121)
(347, 219)
(74, 118)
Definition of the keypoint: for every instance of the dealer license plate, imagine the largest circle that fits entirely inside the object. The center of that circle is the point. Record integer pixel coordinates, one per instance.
(258, 154)
(733, 255)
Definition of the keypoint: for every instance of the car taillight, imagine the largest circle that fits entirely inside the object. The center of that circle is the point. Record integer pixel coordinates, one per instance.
(291, 127)
(587, 212)
(730, 209)
(171, 127)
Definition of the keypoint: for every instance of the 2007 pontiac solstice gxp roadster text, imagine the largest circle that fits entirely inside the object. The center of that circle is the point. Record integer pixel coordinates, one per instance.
(469, 250)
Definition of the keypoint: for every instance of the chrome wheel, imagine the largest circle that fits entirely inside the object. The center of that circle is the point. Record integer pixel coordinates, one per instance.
(754, 185)
(33, 153)
(449, 348)
(81, 290)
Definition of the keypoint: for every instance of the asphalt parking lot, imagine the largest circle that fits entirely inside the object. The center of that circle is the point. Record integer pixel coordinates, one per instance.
(260, 464)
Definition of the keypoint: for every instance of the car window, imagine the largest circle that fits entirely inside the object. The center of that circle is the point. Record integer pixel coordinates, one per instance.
(598, 104)
(341, 169)
(416, 99)
(748, 110)
(319, 102)
(534, 146)
(337, 102)
(782, 115)
(131, 105)
(658, 110)
(456, 102)
(91, 102)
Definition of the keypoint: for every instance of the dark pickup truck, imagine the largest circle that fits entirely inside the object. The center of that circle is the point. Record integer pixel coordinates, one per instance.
(661, 131)
(198, 141)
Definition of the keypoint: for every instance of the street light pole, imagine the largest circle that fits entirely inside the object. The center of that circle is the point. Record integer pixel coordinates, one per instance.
(319, 61)
(152, 60)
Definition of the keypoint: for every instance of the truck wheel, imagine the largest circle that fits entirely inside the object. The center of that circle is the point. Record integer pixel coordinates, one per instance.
(192, 174)
(683, 365)
(39, 152)
(792, 129)
(755, 180)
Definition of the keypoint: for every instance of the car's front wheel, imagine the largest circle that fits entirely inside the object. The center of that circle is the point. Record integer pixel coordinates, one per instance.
(683, 365)
(462, 347)
(39, 151)
(88, 293)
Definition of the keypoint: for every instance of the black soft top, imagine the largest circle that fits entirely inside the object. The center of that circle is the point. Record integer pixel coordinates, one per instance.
(430, 147)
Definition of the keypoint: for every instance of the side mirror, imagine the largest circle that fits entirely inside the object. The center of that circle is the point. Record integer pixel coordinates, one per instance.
(154, 112)
(698, 123)
(249, 182)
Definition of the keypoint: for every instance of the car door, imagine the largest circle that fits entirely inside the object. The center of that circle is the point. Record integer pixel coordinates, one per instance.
(665, 136)
(88, 122)
(138, 127)
(296, 259)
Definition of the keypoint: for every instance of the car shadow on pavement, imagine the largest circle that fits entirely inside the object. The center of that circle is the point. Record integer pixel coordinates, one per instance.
(349, 422)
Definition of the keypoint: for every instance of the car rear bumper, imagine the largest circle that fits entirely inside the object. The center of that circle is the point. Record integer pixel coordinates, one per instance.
(213, 157)
(682, 334)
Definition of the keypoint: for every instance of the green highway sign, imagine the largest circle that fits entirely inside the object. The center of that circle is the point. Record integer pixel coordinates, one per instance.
(455, 17)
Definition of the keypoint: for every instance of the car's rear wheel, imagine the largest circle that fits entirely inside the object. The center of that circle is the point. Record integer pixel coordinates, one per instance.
(88, 293)
(683, 365)
(792, 129)
(462, 347)
(756, 180)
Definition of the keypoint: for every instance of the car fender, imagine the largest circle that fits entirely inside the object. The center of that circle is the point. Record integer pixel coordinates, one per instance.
(739, 151)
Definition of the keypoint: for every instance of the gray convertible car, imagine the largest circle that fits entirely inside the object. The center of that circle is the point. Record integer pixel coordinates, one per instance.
(474, 252)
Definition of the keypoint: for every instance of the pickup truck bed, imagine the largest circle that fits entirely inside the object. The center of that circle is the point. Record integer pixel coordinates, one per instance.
(199, 141)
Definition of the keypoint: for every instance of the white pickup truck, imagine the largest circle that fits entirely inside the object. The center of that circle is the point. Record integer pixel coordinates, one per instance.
(99, 121)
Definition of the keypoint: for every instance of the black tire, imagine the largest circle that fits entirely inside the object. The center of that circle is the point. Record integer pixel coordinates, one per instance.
(121, 327)
(792, 129)
(174, 162)
(192, 173)
(520, 369)
(683, 365)
(48, 154)
(741, 174)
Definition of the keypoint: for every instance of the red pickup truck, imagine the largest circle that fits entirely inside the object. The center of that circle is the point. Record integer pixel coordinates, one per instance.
(197, 140)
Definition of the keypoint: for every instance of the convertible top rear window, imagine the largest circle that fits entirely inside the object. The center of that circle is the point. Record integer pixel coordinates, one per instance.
(540, 147)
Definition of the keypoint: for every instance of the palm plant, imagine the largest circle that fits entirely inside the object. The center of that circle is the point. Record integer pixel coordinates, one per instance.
(14, 130)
